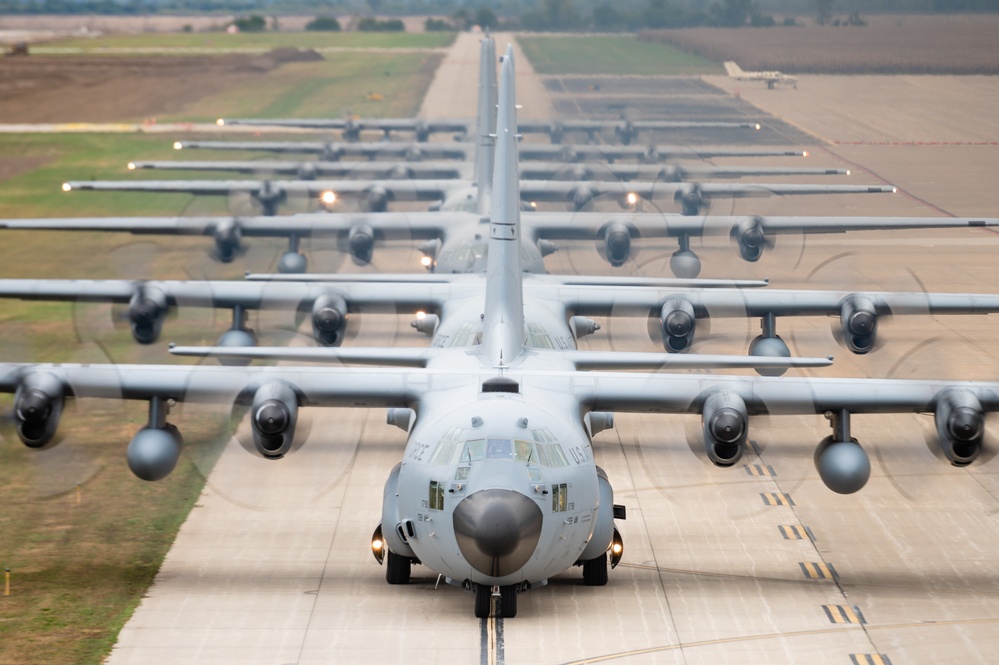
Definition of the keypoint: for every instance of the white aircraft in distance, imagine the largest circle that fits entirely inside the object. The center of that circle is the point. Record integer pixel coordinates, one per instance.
(771, 78)
(498, 489)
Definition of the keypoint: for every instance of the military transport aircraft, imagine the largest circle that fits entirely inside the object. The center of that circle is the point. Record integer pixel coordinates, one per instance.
(771, 78)
(498, 489)
(455, 242)
(624, 130)
(413, 152)
(453, 195)
(444, 170)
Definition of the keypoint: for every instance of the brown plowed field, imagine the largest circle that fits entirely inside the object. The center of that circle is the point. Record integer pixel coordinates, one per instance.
(109, 89)
(887, 45)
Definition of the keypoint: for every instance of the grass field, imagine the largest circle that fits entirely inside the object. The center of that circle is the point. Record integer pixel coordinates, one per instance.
(81, 535)
(335, 87)
(220, 41)
(616, 54)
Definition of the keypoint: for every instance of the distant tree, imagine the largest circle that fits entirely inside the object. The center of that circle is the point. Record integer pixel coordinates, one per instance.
(323, 24)
(608, 18)
(485, 18)
(824, 10)
(369, 24)
(437, 25)
(732, 13)
(251, 23)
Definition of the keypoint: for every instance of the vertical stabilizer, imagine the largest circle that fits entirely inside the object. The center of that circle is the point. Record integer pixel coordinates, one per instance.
(503, 324)
(734, 70)
(485, 124)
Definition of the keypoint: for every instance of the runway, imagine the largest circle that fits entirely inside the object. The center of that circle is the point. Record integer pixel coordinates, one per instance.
(759, 563)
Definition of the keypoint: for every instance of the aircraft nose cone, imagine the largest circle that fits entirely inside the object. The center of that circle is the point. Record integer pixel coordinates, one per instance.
(497, 530)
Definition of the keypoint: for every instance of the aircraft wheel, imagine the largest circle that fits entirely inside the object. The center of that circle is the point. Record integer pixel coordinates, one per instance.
(508, 602)
(595, 571)
(398, 568)
(483, 601)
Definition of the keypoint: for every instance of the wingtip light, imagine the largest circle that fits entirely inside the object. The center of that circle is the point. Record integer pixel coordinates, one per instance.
(131, 166)
(66, 187)
(848, 171)
(894, 190)
(177, 145)
(220, 122)
(758, 126)
(804, 153)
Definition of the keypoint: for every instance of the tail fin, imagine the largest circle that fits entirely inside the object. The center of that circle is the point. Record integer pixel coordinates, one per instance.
(485, 125)
(734, 70)
(503, 325)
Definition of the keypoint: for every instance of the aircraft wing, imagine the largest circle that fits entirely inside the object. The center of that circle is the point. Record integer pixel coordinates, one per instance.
(337, 150)
(423, 291)
(663, 173)
(691, 195)
(597, 300)
(663, 393)
(369, 387)
(313, 170)
(588, 225)
(386, 226)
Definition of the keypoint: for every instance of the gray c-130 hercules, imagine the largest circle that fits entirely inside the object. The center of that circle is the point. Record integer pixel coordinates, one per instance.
(498, 489)
(465, 195)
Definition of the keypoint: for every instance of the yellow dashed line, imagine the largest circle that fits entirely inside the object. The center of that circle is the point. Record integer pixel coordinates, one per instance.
(795, 532)
(759, 470)
(776, 499)
(818, 570)
(844, 614)
(869, 659)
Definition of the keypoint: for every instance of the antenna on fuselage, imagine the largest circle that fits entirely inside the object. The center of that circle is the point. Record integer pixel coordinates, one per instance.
(485, 125)
(503, 323)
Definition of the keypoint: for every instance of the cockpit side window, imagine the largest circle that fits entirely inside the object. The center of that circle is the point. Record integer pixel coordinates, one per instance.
(448, 445)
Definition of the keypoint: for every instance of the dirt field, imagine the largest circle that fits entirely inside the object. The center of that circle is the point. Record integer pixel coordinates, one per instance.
(887, 45)
(103, 89)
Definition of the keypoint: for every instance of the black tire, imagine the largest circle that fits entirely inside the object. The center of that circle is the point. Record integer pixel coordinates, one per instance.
(508, 602)
(398, 568)
(483, 601)
(595, 571)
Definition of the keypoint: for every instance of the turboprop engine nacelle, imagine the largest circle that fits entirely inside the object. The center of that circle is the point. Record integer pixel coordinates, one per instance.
(146, 311)
(38, 405)
(859, 323)
(580, 197)
(375, 199)
(329, 320)
(228, 238)
(677, 322)
(751, 239)
(273, 417)
(725, 423)
(361, 242)
(617, 244)
(960, 425)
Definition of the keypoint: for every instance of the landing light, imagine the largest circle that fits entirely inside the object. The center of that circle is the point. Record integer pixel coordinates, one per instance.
(616, 549)
(421, 315)
(426, 261)
(177, 145)
(328, 198)
(632, 198)
(378, 545)
(66, 187)
(534, 204)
